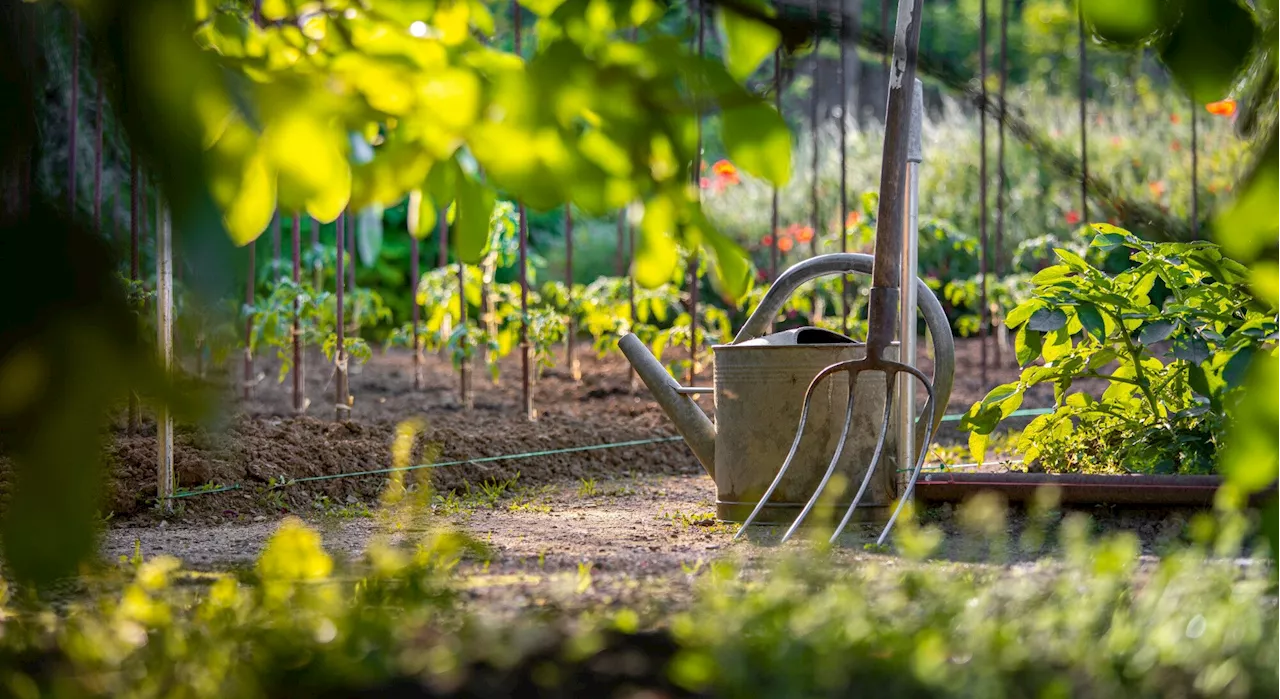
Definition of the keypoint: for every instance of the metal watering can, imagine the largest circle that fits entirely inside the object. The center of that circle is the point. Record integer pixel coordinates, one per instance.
(760, 383)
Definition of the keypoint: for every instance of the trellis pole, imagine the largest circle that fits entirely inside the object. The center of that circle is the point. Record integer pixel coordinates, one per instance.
(984, 266)
(570, 333)
(773, 209)
(299, 398)
(526, 378)
(341, 394)
(415, 315)
(842, 81)
(135, 215)
(73, 120)
(696, 174)
(164, 343)
(1001, 177)
(250, 284)
(814, 123)
(1195, 179)
(1084, 131)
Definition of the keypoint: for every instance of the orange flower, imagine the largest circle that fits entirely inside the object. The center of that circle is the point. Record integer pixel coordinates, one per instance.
(853, 219)
(1115, 141)
(1175, 119)
(804, 234)
(1157, 188)
(1226, 108)
(785, 244)
(1073, 218)
(725, 172)
(1177, 145)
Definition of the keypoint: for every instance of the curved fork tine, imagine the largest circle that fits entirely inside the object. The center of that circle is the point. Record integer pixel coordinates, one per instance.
(924, 450)
(795, 444)
(875, 459)
(831, 468)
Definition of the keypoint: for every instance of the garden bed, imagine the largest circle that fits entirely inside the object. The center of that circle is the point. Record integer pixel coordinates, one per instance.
(258, 443)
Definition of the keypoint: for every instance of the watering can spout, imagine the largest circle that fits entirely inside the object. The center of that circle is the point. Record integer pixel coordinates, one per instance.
(692, 424)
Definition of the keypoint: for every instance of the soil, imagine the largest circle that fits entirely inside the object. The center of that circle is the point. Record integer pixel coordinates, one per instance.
(258, 443)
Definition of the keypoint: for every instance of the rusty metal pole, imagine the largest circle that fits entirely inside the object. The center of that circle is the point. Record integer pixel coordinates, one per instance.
(696, 174)
(135, 213)
(442, 262)
(575, 370)
(618, 261)
(73, 114)
(1195, 176)
(466, 345)
(413, 303)
(1001, 179)
(773, 218)
(1084, 136)
(249, 288)
(351, 254)
(842, 81)
(526, 377)
(97, 161)
(275, 246)
(299, 404)
(983, 247)
(317, 260)
(341, 392)
(814, 223)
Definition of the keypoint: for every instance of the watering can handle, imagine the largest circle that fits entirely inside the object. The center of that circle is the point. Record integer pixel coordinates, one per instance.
(792, 279)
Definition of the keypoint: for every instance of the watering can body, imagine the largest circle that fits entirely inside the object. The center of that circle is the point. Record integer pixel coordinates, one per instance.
(759, 391)
(760, 383)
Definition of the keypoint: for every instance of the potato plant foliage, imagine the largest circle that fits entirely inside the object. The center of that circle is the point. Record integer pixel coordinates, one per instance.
(1173, 337)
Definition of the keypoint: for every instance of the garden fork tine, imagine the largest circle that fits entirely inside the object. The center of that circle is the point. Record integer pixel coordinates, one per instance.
(853, 369)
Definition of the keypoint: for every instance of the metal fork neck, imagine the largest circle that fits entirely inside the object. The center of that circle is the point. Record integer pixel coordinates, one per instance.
(882, 323)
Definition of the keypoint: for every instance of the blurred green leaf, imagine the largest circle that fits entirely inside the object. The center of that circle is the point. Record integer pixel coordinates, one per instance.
(474, 209)
(656, 255)
(758, 141)
(747, 41)
(1209, 46)
(1249, 459)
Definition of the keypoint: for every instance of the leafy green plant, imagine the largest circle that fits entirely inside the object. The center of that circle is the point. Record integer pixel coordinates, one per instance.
(1171, 369)
(271, 321)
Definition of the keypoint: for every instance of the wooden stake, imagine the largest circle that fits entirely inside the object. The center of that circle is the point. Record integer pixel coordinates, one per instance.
(164, 341)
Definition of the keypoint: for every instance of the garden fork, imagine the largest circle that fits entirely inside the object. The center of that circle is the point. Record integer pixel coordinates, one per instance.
(901, 125)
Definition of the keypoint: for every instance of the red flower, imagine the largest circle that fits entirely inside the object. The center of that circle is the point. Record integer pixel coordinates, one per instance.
(704, 183)
(767, 241)
(1073, 218)
(1226, 108)
(1177, 145)
(1175, 119)
(1115, 141)
(725, 172)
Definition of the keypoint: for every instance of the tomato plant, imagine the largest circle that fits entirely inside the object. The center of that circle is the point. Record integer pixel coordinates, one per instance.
(1171, 368)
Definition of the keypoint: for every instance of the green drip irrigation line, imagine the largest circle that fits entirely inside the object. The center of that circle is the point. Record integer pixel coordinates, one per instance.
(510, 457)
(1017, 413)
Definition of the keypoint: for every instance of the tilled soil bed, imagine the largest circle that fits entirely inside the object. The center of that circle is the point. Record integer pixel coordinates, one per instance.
(258, 444)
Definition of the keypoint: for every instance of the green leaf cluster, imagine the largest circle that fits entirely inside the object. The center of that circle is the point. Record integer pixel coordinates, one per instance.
(1172, 338)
